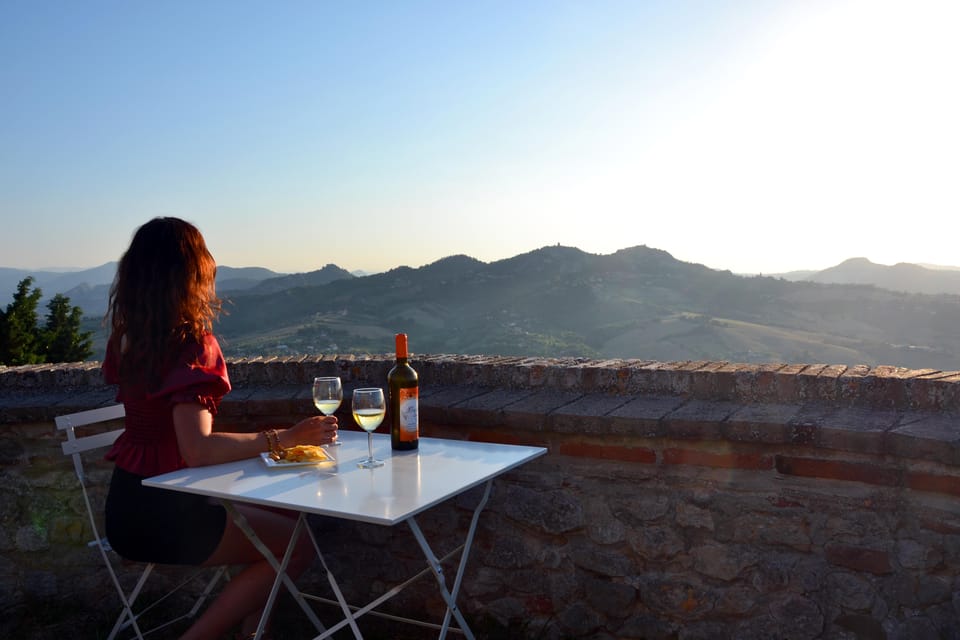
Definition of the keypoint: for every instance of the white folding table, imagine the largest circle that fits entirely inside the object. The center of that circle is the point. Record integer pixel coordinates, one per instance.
(408, 483)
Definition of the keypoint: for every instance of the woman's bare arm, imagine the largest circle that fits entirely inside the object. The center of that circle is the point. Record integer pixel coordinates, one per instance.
(200, 445)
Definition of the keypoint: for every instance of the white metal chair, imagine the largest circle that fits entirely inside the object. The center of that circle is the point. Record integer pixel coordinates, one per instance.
(74, 446)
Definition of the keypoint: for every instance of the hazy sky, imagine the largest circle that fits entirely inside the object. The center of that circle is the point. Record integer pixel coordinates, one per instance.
(755, 136)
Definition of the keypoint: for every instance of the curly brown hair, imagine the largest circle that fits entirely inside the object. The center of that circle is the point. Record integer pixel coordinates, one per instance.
(162, 296)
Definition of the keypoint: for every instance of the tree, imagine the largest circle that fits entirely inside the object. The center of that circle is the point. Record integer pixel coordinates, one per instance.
(62, 339)
(22, 341)
(19, 335)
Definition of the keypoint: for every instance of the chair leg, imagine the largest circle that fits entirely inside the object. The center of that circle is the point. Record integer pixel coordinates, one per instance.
(129, 618)
(128, 603)
(122, 624)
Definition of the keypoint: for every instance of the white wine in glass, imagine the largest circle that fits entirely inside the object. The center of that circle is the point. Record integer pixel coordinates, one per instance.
(369, 408)
(327, 396)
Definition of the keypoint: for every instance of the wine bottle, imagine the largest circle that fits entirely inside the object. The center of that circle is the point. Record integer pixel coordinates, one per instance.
(403, 388)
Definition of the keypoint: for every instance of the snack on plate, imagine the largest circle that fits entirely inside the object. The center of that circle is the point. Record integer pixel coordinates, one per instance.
(304, 453)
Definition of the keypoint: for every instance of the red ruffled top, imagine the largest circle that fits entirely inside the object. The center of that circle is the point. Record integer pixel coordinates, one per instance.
(148, 445)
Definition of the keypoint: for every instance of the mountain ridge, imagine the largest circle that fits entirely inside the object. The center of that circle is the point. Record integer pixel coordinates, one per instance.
(903, 276)
(636, 303)
(556, 301)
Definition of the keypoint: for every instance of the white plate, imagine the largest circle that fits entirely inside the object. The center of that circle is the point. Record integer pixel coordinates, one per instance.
(280, 464)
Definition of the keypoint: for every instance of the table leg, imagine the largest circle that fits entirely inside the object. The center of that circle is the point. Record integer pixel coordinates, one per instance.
(370, 607)
(280, 568)
(344, 607)
(450, 597)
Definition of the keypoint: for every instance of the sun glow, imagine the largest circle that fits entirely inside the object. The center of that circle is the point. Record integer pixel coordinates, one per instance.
(836, 127)
(761, 136)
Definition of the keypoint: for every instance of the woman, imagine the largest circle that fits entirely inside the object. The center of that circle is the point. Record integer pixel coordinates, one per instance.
(171, 376)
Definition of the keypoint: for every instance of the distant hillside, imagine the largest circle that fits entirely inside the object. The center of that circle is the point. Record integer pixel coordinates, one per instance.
(636, 303)
(90, 288)
(54, 282)
(560, 301)
(792, 276)
(239, 279)
(329, 273)
(899, 277)
(937, 267)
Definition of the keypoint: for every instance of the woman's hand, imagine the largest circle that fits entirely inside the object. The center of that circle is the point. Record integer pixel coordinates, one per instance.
(200, 445)
(314, 430)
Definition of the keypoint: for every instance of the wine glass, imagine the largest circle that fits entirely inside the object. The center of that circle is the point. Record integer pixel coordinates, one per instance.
(368, 410)
(327, 395)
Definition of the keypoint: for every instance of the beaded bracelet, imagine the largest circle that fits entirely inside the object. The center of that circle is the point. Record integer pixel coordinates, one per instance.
(273, 443)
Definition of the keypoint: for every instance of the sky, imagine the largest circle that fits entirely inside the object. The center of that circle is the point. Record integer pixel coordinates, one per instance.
(759, 136)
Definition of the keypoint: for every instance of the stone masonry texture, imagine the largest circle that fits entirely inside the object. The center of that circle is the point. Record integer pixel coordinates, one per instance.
(681, 500)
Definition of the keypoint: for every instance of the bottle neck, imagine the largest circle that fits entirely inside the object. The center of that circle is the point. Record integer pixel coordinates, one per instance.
(401, 342)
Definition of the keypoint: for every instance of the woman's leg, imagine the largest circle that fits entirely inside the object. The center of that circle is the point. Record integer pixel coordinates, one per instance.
(242, 599)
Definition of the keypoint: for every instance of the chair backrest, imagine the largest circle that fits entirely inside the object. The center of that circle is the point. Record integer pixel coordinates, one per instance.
(73, 446)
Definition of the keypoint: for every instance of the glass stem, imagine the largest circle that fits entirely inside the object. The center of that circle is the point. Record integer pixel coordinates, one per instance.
(370, 445)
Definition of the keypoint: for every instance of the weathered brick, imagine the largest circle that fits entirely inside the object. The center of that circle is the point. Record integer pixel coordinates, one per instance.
(919, 481)
(697, 420)
(588, 413)
(857, 429)
(724, 460)
(767, 423)
(645, 455)
(926, 436)
(807, 382)
(504, 436)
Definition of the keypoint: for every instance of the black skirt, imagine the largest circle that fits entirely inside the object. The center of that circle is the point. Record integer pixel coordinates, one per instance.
(146, 524)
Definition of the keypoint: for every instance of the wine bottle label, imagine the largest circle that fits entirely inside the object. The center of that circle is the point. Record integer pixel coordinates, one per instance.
(409, 414)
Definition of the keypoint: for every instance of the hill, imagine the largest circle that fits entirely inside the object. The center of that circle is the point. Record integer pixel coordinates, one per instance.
(636, 303)
(560, 301)
(899, 277)
(329, 273)
(54, 282)
(90, 288)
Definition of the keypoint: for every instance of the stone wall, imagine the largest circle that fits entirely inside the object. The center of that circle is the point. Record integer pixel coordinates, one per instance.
(678, 500)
